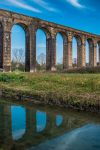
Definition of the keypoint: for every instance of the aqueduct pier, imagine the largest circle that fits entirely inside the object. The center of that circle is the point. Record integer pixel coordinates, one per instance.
(31, 25)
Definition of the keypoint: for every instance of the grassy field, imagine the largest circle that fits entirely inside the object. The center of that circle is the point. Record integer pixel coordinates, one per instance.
(56, 88)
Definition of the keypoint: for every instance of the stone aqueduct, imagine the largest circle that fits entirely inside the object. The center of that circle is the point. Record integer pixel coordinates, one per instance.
(30, 26)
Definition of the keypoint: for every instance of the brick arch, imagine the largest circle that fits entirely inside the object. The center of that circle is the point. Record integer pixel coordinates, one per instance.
(91, 51)
(45, 35)
(27, 43)
(63, 34)
(61, 50)
(98, 53)
(78, 38)
(90, 41)
(45, 30)
(98, 42)
(1, 45)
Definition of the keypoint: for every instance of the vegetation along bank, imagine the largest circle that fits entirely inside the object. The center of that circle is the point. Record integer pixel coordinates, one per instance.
(77, 91)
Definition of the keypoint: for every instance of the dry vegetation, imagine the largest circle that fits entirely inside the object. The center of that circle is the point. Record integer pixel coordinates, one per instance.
(55, 88)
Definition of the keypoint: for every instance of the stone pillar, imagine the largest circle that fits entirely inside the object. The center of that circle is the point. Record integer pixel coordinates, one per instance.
(1, 46)
(27, 51)
(31, 49)
(65, 53)
(32, 45)
(92, 54)
(95, 54)
(50, 123)
(81, 53)
(51, 53)
(30, 122)
(6, 127)
(48, 53)
(99, 52)
(7, 46)
(69, 51)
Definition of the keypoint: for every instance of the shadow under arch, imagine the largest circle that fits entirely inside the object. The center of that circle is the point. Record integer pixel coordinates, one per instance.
(25, 28)
(1, 45)
(78, 41)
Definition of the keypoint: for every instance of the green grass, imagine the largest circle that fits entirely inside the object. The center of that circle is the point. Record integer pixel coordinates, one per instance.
(56, 86)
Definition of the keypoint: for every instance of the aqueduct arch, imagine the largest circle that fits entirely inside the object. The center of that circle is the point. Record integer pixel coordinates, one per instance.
(92, 52)
(24, 26)
(30, 25)
(98, 53)
(48, 37)
(79, 48)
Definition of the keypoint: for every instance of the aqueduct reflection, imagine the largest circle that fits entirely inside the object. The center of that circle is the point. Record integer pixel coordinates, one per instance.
(22, 127)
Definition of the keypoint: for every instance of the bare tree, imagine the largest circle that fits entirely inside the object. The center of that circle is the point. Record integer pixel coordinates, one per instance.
(18, 55)
(18, 58)
(41, 59)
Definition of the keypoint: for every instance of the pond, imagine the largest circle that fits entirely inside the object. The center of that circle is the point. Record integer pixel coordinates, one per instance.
(34, 127)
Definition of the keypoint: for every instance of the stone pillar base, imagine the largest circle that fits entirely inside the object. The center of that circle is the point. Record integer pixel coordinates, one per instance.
(53, 69)
(33, 70)
(7, 69)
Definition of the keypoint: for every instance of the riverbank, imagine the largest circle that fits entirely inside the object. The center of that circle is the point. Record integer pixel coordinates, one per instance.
(78, 91)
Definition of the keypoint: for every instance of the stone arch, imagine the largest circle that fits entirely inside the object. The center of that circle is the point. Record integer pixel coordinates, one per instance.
(48, 37)
(45, 30)
(27, 43)
(59, 120)
(64, 37)
(1, 45)
(90, 51)
(98, 53)
(59, 50)
(78, 46)
(17, 122)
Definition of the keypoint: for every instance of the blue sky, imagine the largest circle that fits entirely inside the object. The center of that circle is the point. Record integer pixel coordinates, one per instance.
(80, 14)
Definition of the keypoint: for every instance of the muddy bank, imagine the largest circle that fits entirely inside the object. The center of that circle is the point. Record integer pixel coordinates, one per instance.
(72, 101)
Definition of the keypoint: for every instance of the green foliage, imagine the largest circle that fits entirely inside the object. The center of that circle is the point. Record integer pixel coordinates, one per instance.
(73, 88)
(11, 77)
(17, 66)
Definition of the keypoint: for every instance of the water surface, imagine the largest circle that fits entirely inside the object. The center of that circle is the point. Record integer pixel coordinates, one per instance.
(34, 127)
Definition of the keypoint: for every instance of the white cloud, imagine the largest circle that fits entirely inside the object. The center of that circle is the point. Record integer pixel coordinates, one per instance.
(23, 5)
(75, 3)
(45, 5)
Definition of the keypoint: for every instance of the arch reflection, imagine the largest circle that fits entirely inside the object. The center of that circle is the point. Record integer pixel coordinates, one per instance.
(25, 127)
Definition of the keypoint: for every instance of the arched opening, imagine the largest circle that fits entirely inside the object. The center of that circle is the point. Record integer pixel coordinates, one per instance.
(40, 121)
(18, 122)
(74, 52)
(40, 50)
(18, 48)
(89, 52)
(59, 120)
(98, 54)
(59, 51)
(1, 46)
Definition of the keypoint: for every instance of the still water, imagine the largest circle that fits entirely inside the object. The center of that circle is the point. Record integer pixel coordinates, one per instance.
(34, 127)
